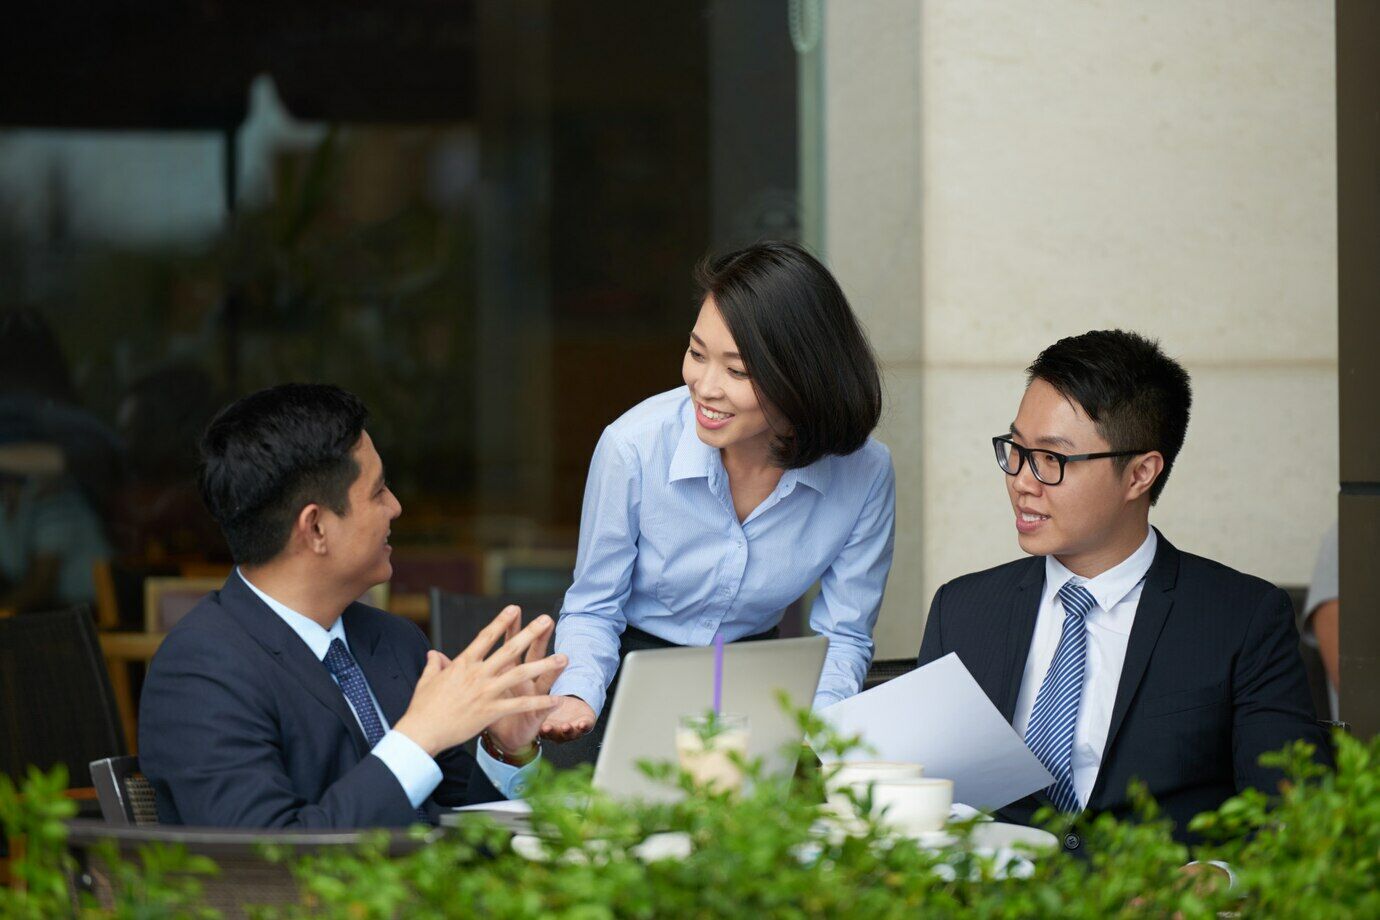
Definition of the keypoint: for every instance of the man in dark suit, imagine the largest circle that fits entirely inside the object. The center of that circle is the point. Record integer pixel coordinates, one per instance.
(270, 703)
(1112, 653)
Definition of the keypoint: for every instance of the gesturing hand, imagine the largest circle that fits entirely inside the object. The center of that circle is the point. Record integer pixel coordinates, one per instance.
(571, 718)
(456, 699)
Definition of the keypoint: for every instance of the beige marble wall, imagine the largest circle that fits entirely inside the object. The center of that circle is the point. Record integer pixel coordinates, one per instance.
(1000, 174)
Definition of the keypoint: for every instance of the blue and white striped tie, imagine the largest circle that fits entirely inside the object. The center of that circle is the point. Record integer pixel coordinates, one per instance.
(1050, 732)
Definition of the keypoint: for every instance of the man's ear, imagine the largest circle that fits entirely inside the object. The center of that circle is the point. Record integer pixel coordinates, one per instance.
(310, 530)
(1142, 473)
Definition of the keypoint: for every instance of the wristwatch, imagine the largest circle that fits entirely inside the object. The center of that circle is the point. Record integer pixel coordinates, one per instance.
(511, 758)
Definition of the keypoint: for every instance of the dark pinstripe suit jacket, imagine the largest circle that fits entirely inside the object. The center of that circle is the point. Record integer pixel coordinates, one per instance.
(1212, 677)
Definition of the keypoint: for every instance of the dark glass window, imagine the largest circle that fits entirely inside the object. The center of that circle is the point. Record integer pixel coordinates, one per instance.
(481, 217)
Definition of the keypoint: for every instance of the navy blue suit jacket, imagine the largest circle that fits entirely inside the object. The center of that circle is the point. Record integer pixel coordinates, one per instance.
(240, 725)
(1212, 678)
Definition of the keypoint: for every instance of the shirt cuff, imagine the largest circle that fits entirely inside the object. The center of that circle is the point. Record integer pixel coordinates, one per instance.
(417, 773)
(511, 781)
(589, 689)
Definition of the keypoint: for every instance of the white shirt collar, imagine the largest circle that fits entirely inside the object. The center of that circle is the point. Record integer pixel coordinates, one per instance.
(1109, 588)
(318, 638)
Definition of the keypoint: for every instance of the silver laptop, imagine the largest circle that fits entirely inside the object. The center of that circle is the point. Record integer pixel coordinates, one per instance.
(658, 686)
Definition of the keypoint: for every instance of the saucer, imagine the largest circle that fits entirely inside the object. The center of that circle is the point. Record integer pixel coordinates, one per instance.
(999, 835)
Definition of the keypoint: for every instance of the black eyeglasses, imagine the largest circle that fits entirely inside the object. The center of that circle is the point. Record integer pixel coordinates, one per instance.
(1047, 465)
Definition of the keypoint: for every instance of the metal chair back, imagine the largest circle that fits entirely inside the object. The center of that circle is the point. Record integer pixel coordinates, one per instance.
(126, 796)
(246, 877)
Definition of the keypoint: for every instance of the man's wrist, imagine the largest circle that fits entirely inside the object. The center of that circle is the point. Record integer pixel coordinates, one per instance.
(417, 737)
(520, 757)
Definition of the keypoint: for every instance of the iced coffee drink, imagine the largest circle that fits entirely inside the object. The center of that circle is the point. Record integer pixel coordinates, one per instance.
(706, 745)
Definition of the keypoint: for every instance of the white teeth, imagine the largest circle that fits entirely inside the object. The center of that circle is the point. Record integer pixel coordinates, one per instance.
(715, 416)
(1032, 518)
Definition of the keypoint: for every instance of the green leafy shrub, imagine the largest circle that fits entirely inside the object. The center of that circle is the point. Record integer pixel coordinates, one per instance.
(162, 882)
(1311, 852)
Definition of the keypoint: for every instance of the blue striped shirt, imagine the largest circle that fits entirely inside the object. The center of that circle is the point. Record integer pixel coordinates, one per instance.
(661, 549)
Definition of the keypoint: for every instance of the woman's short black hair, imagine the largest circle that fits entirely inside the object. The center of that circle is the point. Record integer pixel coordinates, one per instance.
(802, 346)
(272, 453)
(1138, 396)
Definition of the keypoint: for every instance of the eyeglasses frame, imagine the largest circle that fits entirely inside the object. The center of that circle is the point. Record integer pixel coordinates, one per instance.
(1064, 459)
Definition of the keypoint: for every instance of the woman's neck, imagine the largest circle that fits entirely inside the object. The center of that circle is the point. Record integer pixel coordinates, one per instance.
(752, 459)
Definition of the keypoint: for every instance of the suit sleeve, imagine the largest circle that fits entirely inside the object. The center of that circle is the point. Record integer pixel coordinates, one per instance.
(1272, 705)
(209, 739)
(932, 645)
(463, 781)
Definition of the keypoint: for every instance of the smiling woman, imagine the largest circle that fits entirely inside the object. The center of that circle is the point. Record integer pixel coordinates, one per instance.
(711, 508)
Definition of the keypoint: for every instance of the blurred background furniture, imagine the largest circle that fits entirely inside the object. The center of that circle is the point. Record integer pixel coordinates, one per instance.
(450, 568)
(417, 570)
(119, 585)
(456, 619)
(246, 877)
(59, 707)
(528, 571)
(168, 599)
(123, 650)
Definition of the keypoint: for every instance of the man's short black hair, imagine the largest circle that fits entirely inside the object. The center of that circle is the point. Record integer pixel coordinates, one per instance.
(1138, 396)
(272, 453)
(801, 345)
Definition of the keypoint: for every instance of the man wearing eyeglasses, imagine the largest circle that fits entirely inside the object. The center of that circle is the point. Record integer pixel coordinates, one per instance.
(1112, 653)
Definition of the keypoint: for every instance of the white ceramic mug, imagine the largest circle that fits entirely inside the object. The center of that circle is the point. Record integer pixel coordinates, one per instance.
(911, 804)
(841, 776)
(846, 774)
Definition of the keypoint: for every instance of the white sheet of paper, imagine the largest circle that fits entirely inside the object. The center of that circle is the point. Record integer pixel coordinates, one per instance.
(503, 806)
(938, 716)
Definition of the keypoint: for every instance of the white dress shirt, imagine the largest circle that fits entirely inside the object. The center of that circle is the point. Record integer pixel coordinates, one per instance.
(414, 768)
(1117, 592)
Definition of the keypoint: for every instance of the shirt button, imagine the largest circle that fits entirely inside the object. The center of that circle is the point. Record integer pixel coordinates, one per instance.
(1072, 842)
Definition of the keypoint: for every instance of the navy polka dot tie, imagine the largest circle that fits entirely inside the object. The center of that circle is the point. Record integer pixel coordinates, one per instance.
(1050, 732)
(356, 689)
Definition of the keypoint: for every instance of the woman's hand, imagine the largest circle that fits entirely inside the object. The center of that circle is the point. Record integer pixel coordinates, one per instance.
(571, 718)
(517, 732)
(454, 700)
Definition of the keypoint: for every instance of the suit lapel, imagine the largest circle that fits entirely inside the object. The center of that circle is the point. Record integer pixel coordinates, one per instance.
(1156, 600)
(379, 665)
(1019, 630)
(288, 649)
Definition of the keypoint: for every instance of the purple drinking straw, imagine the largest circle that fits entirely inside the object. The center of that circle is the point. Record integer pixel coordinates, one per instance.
(718, 673)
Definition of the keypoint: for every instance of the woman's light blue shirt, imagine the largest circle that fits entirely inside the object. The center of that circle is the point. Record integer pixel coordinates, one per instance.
(661, 549)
